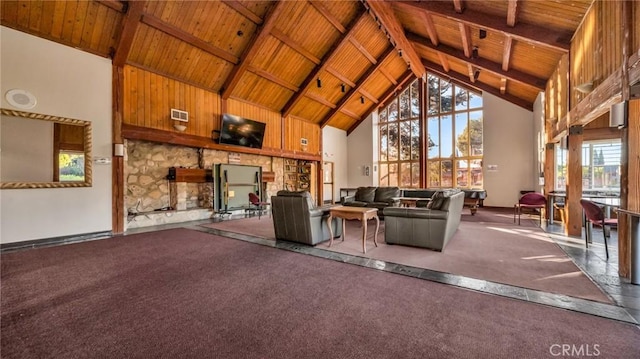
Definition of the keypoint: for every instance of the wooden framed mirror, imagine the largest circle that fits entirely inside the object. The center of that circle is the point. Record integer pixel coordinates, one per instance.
(44, 151)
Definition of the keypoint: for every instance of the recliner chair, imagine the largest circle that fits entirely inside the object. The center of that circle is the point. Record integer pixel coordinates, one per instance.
(297, 219)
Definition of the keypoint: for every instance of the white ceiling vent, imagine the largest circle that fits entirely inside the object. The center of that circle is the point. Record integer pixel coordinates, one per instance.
(179, 115)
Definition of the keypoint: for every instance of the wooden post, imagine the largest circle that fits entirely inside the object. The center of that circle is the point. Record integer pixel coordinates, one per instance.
(117, 163)
(573, 209)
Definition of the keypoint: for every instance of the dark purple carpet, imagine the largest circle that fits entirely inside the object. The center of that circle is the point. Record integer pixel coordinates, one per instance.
(186, 294)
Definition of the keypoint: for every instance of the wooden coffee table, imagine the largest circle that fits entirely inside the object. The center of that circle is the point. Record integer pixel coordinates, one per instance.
(361, 213)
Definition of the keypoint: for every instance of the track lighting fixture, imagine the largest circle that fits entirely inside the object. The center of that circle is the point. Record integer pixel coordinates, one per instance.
(319, 82)
(474, 53)
(343, 88)
(483, 33)
(476, 75)
(362, 99)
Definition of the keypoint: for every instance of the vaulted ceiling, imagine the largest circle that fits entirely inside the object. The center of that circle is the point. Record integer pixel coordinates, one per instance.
(329, 62)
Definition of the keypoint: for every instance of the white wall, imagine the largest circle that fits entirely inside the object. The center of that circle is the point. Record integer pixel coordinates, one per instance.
(360, 146)
(67, 83)
(509, 143)
(334, 149)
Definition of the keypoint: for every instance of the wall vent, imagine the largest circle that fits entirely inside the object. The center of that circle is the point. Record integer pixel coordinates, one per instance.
(179, 115)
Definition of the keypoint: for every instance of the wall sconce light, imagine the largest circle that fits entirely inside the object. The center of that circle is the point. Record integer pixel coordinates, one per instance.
(343, 88)
(585, 87)
(474, 52)
(362, 99)
(319, 82)
(483, 33)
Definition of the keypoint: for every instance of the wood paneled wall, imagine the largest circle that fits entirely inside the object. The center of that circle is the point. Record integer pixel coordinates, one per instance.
(149, 98)
(596, 49)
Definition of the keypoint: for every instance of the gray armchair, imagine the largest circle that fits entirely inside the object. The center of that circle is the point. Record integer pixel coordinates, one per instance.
(297, 219)
(430, 227)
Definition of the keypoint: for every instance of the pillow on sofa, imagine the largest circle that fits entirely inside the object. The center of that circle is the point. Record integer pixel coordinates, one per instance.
(385, 194)
(437, 200)
(365, 194)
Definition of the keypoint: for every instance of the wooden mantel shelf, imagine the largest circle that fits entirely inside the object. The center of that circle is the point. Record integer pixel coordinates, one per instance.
(190, 175)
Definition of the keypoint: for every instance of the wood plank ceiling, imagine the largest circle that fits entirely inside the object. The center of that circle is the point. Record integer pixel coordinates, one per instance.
(329, 62)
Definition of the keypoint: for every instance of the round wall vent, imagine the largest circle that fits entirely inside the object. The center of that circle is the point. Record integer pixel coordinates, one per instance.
(21, 99)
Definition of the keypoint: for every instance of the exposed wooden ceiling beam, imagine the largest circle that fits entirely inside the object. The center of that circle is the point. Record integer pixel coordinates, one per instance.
(368, 95)
(350, 114)
(430, 27)
(465, 35)
(113, 4)
(512, 13)
(362, 50)
(333, 51)
(404, 78)
(384, 12)
(130, 25)
(273, 78)
(462, 79)
(506, 53)
(470, 73)
(388, 75)
(458, 6)
(538, 35)
(328, 15)
(503, 85)
(321, 100)
(444, 61)
(244, 11)
(182, 35)
(343, 101)
(340, 76)
(252, 48)
(294, 45)
(484, 64)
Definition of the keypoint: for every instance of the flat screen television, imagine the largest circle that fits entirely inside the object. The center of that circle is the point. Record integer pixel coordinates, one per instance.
(240, 131)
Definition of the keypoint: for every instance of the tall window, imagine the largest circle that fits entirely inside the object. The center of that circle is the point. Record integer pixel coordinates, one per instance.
(454, 135)
(600, 166)
(399, 125)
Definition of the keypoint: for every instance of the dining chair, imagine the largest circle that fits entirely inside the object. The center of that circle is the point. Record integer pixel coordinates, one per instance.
(257, 204)
(531, 200)
(595, 216)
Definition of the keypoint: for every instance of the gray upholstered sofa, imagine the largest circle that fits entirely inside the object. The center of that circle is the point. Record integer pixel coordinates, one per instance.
(428, 227)
(297, 219)
(373, 197)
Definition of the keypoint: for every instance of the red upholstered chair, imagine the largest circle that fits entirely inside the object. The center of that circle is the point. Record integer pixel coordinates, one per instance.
(257, 204)
(595, 216)
(530, 200)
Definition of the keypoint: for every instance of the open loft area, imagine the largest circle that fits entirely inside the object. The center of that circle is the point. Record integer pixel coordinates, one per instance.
(416, 94)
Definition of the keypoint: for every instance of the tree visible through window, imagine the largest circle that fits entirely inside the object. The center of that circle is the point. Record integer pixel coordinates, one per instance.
(453, 144)
(454, 133)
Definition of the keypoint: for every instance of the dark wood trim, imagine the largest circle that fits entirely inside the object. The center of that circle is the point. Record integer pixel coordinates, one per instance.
(182, 139)
(384, 13)
(537, 35)
(130, 25)
(480, 62)
(112, 4)
(603, 133)
(118, 212)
